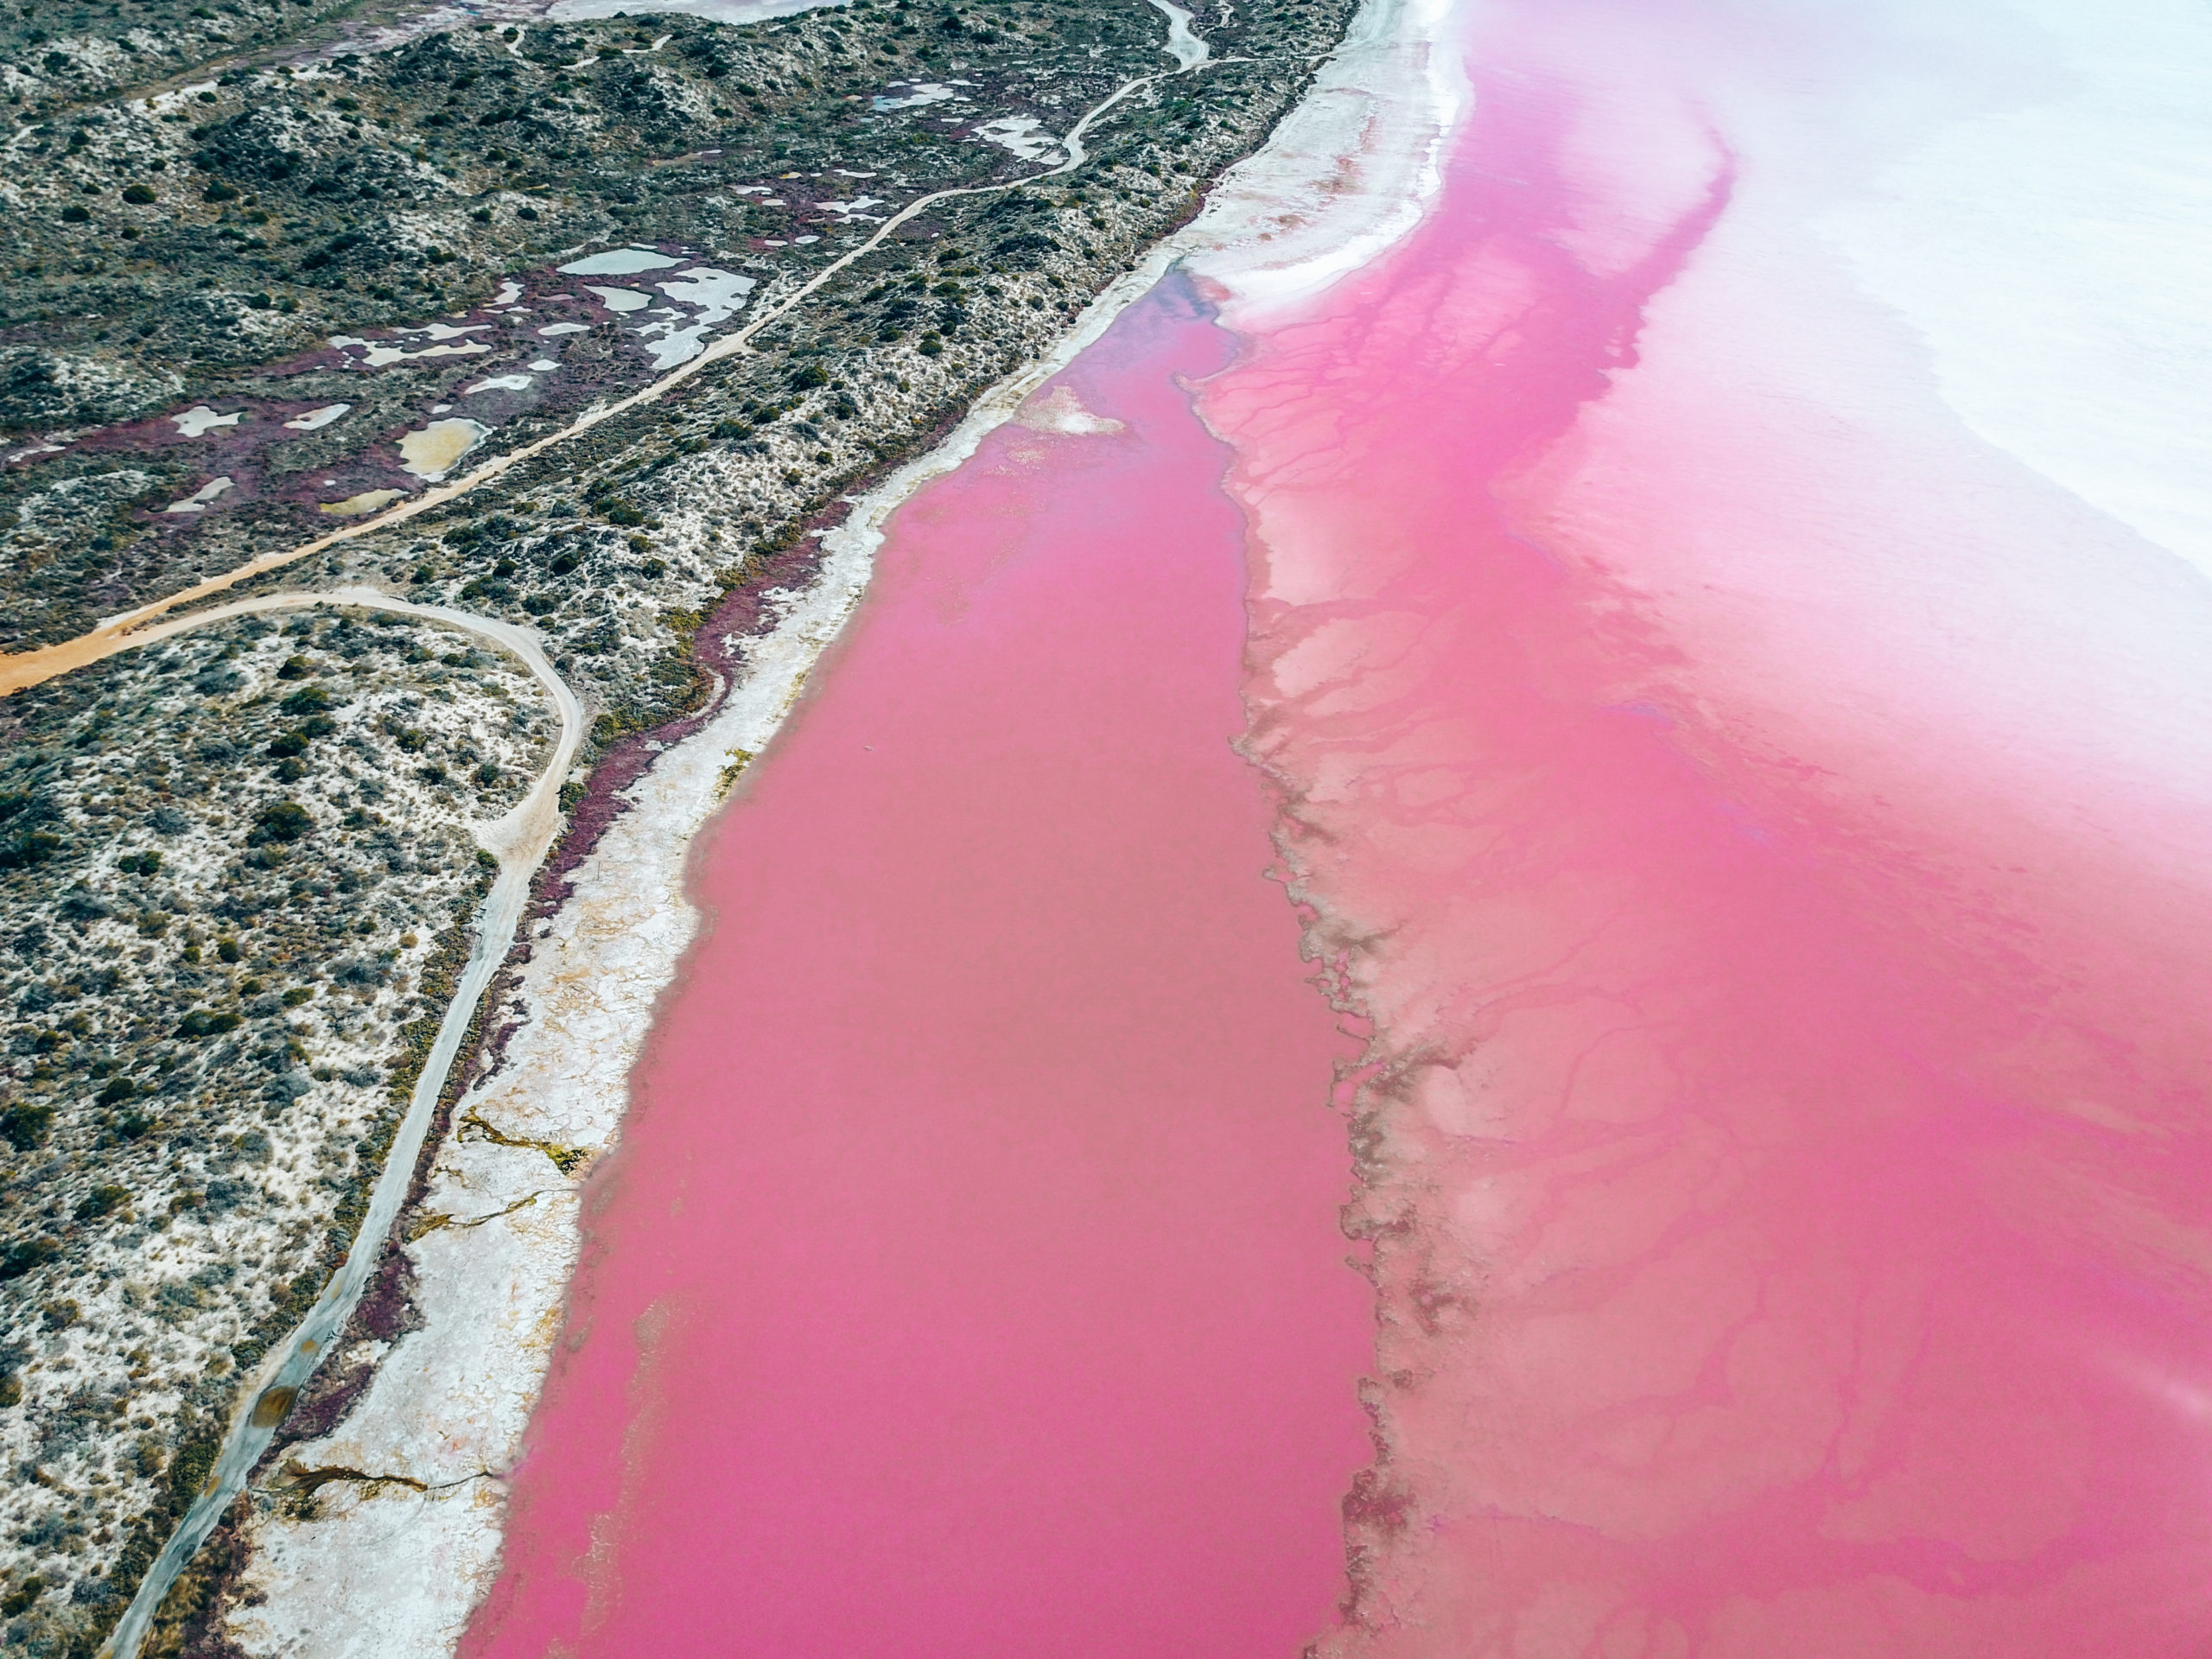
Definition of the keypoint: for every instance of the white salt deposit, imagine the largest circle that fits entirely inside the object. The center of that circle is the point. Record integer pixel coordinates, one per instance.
(198, 502)
(199, 419)
(919, 92)
(718, 292)
(1022, 134)
(618, 262)
(623, 299)
(316, 419)
(379, 355)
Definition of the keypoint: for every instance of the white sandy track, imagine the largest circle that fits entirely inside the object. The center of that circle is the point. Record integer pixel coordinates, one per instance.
(520, 841)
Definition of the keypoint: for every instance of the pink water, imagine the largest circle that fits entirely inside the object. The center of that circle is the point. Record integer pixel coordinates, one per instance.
(1765, 825)
(968, 1281)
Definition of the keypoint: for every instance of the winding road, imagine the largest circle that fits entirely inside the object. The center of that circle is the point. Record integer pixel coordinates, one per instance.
(520, 840)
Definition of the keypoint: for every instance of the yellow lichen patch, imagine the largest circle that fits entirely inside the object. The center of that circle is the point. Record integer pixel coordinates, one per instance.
(432, 452)
(270, 1409)
(565, 1159)
(353, 506)
(739, 759)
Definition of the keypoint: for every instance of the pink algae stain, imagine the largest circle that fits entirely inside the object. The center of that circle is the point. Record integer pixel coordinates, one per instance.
(1792, 1202)
(970, 1279)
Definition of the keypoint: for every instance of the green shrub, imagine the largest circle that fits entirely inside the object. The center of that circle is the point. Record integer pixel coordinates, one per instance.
(200, 1023)
(282, 821)
(102, 1201)
(25, 1254)
(24, 1127)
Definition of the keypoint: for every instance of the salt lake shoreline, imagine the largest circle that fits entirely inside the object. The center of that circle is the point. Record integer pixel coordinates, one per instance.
(389, 1536)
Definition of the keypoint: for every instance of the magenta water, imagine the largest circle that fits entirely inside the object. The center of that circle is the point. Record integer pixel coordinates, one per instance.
(968, 1281)
(1766, 825)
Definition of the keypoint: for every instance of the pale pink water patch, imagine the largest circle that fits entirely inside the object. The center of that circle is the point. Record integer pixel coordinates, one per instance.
(1766, 826)
(969, 1280)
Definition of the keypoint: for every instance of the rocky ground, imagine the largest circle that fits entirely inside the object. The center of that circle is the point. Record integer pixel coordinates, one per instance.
(265, 284)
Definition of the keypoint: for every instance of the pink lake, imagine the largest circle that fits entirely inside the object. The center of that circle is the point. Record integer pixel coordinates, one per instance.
(1762, 822)
(969, 1280)
(1765, 824)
